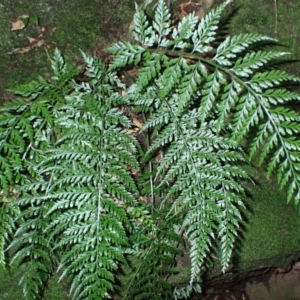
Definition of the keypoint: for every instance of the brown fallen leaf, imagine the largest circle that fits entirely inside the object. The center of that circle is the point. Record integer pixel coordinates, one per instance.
(32, 40)
(35, 42)
(188, 7)
(19, 50)
(39, 43)
(12, 65)
(137, 123)
(19, 24)
(132, 131)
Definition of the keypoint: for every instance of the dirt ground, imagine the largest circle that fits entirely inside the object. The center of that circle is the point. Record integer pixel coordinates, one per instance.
(273, 285)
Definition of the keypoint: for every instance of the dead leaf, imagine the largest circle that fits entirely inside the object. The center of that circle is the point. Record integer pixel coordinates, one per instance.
(40, 43)
(144, 199)
(188, 7)
(32, 40)
(132, 131)
(137, 123)
(35, 42)
(12, 65)
(23, 16)
(19, 24)
(20, 50)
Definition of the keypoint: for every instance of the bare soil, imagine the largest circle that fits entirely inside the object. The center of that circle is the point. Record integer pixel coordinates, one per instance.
(275, 284)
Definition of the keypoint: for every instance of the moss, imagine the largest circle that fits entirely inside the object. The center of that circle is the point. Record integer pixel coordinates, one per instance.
(57, 290)
(67, 25)
(260, 16)
(272, 226)
(10, 288)
(9, 284)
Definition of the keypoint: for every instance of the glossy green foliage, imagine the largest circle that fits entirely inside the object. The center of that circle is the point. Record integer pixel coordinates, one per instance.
(92, 199)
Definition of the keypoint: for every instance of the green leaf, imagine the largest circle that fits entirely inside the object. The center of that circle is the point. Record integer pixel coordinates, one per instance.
(34, 19)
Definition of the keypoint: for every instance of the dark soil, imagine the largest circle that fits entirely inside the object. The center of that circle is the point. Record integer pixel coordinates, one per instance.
(274, 284)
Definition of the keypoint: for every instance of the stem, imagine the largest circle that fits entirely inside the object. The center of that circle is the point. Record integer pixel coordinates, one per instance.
(276, 16)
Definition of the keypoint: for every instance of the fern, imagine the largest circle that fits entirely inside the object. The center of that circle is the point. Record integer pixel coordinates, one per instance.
(91, 196)
(202, 160)
(155, 248)
(8, 212)
(81, 195)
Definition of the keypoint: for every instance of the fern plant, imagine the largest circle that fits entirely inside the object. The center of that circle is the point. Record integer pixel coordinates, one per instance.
(82, 195)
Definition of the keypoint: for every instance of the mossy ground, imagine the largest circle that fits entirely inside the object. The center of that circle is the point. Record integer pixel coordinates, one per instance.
(10, 288)
(68, 25)
(260, 16)
(270, 226)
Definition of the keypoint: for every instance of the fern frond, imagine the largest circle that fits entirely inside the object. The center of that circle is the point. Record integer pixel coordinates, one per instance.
(126, 54)
(156, 244)
(90, 185)
(254, 60)
(63, 72)
(271, 78)
(228, 100)
(211, 92)
(8, 213)
(276, 126)
(31, 246)
(184, 32)
(142, 30)
(206, 30)
(162, 24)
(30, 90)
(149, 71)
(278, 96)
(196, 163)
(232, 46)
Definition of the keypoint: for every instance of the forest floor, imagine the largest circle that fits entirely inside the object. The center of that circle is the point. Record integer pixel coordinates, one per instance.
(272, 285)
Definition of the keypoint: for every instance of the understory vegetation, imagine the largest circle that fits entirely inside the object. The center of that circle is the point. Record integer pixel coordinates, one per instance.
(125, 165)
